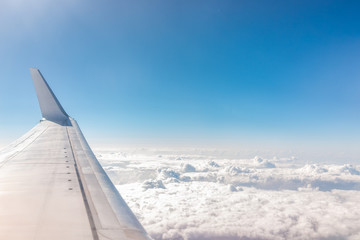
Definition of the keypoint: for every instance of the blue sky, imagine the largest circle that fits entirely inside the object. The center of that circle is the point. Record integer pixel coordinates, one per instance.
(187, 72)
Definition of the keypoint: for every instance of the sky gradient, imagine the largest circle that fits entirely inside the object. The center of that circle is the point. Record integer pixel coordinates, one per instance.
(265, 74)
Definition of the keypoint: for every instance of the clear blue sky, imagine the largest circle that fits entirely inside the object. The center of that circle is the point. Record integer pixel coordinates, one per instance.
(186, 71)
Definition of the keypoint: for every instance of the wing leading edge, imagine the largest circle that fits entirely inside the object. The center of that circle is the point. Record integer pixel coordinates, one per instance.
(53, 187)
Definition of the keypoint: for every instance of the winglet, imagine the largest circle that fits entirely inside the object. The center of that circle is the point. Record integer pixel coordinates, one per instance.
(51, 109)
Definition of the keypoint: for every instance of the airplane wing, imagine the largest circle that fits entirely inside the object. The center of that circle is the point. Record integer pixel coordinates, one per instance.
(53, 187)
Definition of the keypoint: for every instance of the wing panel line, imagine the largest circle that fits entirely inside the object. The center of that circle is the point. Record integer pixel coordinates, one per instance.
(86, 203)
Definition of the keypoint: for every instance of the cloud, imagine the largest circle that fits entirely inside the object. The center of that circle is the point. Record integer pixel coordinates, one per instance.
(149, 184)
(263, 163)
(222, 198)
(188, 168)
(213, 164)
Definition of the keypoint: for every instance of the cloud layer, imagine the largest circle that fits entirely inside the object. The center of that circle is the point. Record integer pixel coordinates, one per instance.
(199, 196)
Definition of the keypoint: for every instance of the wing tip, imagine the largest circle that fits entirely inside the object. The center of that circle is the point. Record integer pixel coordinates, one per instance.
(51, 108)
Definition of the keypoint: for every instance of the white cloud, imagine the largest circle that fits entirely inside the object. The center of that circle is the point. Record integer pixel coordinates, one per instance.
(258, 161)
(149, 184)
(188, 168)
(226, 198)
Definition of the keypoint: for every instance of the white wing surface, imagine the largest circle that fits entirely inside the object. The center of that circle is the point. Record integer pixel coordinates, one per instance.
(53, 187)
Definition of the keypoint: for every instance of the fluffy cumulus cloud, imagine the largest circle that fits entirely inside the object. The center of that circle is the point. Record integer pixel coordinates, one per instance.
(200, 196)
